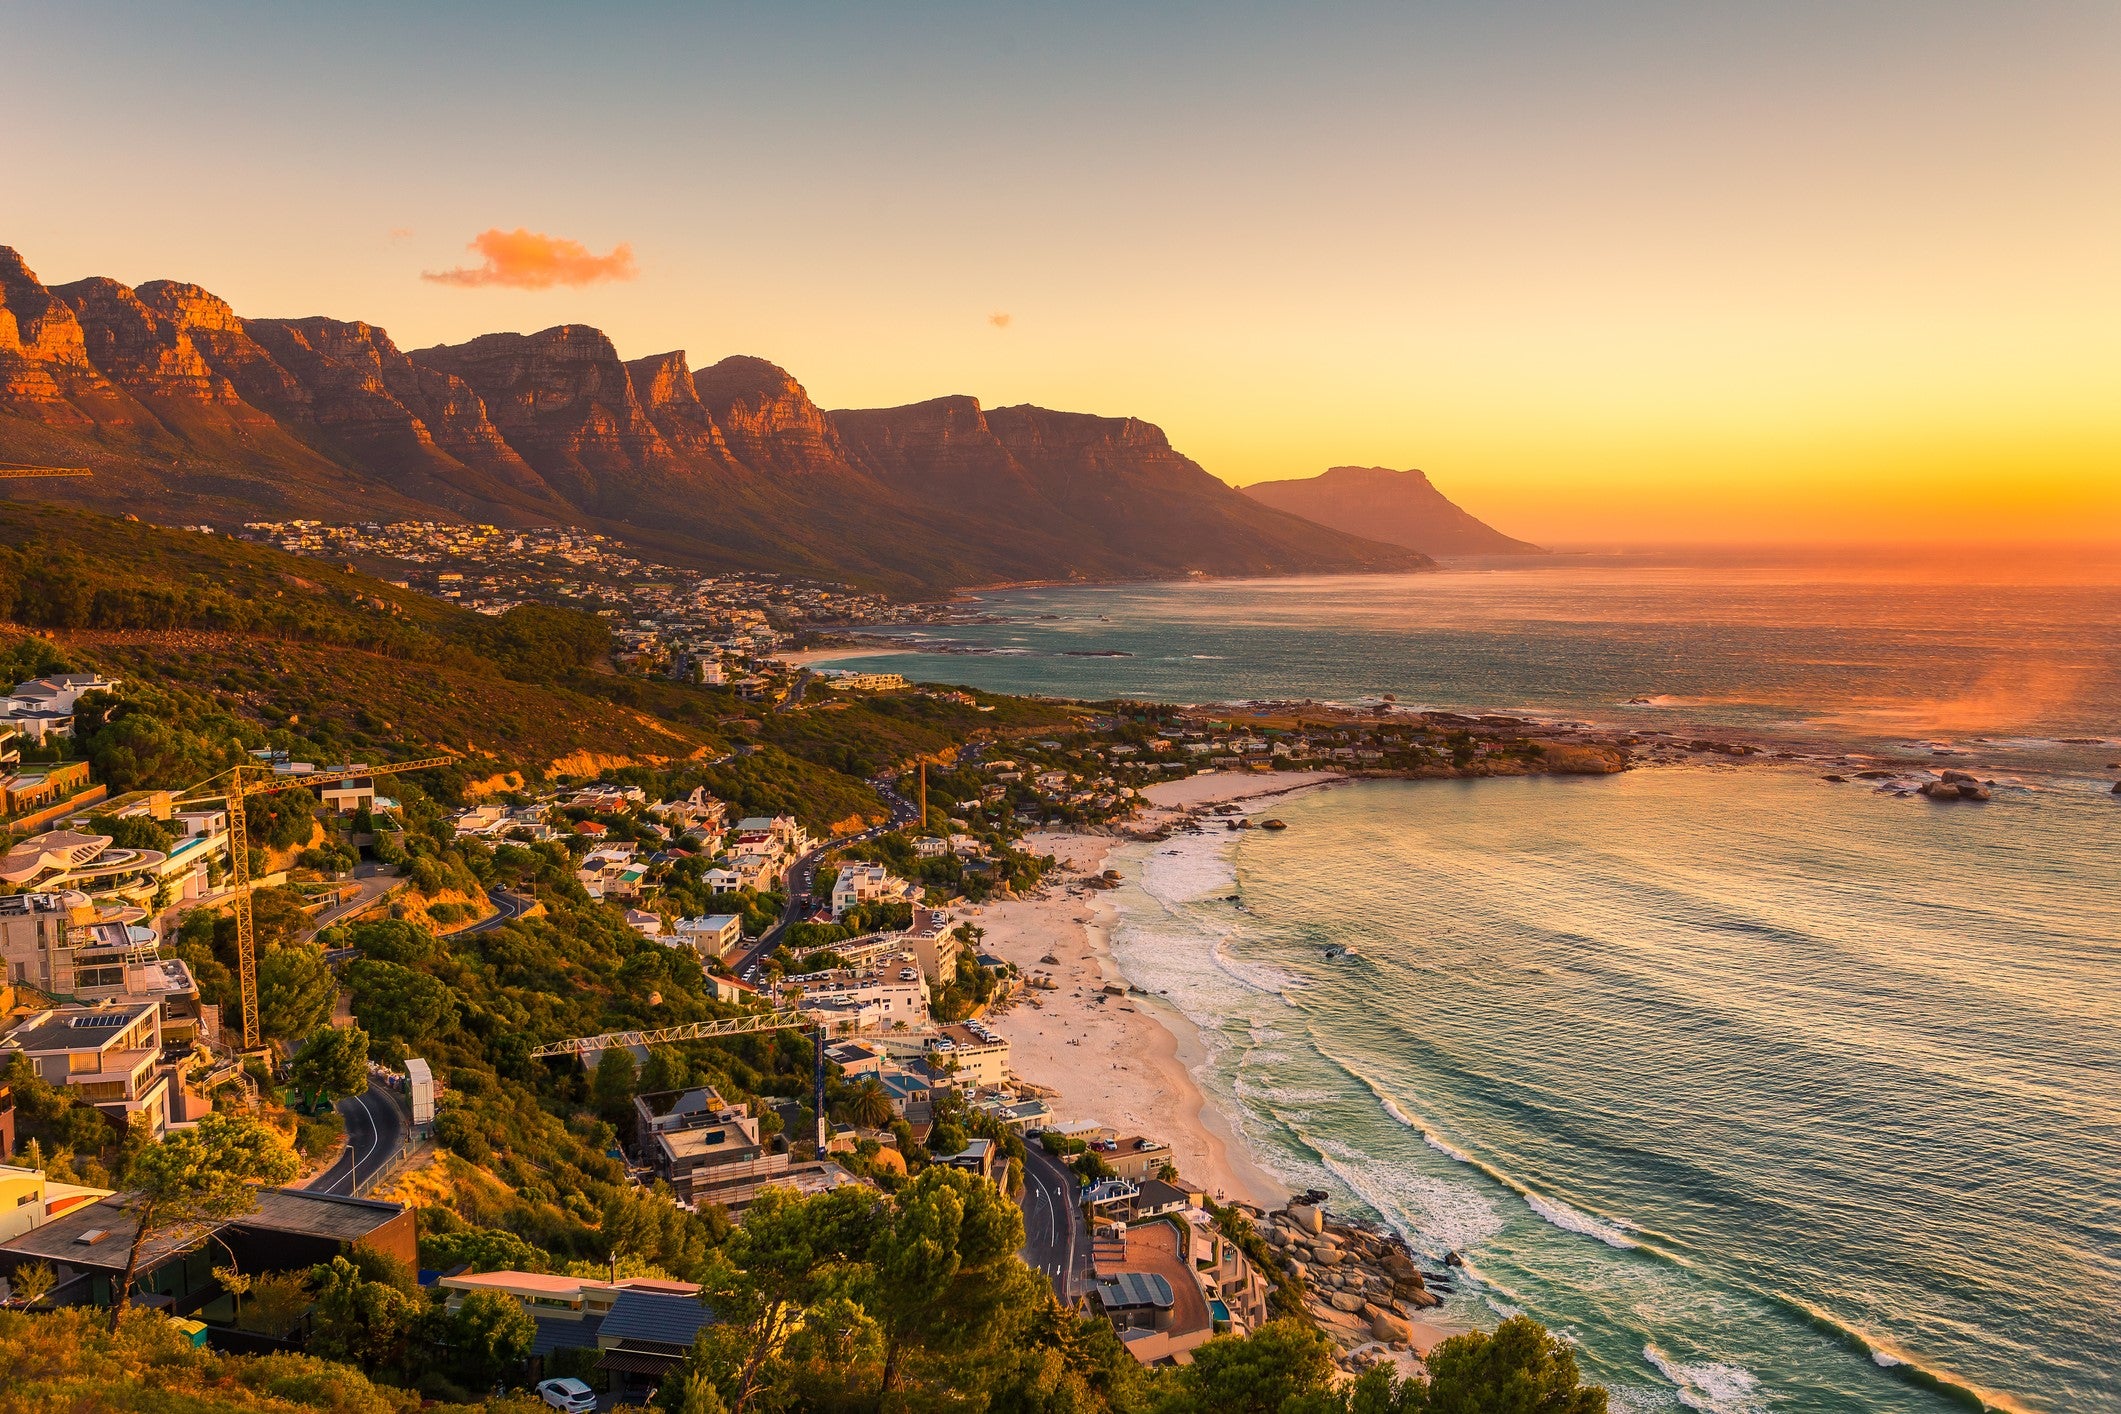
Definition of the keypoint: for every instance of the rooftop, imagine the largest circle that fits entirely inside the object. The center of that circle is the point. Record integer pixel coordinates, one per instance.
(660, 1317)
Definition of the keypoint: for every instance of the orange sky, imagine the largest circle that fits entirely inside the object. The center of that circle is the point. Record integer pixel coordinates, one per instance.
(1659, 272)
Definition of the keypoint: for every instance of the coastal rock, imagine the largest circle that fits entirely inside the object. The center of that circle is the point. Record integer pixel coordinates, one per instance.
(1347, 1302)
(1389, 1326)
(1967, 789)
(2117, 787)
(1306, 1217)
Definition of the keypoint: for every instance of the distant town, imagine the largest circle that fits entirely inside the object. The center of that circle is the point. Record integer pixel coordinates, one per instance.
(685, 623)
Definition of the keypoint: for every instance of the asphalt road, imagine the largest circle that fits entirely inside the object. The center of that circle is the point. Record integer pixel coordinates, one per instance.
(371, 882)
(803, 874)
(374, 1128)
(511, 906)
(1052, 1224)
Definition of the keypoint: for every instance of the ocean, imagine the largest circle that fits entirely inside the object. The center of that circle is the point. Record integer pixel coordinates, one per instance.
(1768, 1092)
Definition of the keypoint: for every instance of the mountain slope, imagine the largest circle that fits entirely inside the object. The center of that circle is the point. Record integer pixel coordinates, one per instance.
(187, 411)
(1400, 507)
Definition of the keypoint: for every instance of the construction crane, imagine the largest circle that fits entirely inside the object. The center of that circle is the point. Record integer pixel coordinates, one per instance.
(780, 1020)
(15, 471)
(240, 789)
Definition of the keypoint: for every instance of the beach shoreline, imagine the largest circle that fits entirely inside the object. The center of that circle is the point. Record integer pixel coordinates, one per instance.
(1128, 1059)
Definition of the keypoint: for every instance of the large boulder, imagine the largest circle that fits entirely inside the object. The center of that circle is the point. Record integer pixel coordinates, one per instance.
(1347, 1301)
(1388, 1326)
(1307, 1217)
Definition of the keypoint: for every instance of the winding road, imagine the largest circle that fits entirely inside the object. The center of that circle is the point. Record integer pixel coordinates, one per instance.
(510, 906)
(803, 873)
(375, 1126)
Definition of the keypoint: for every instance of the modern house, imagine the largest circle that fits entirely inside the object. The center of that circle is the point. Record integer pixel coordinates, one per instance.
(976, 1055)
(714, 936)
(860, 883)
(1136, 1158)
(710, 1151)
(109, 1057)
(291, 1230)
(570, 1311)
(28, 1200)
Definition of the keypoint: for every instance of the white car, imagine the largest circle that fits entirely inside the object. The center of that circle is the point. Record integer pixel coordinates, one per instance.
(569, 1394)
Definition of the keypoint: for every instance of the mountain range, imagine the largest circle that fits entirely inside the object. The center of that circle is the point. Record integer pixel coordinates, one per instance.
(1397, 507)
(189, 412)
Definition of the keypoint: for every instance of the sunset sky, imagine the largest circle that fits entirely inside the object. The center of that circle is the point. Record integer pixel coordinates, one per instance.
(1626, 272)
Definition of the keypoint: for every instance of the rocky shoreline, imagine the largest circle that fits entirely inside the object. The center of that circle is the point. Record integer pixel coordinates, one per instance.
(1366, 1289)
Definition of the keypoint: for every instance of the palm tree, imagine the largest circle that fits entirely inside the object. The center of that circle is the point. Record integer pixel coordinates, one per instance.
(868, 1106)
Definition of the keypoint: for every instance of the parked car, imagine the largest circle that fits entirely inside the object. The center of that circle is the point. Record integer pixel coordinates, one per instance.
(569, 1394)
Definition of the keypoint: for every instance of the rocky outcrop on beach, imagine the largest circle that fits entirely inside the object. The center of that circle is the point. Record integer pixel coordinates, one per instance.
(1362, 1286)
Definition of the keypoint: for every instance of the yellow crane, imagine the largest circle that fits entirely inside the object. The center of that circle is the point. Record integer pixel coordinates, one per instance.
(238, 790)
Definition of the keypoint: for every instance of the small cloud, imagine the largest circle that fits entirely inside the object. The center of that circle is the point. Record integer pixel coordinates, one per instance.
(527, 260)
(1000, 321)
(401, 233)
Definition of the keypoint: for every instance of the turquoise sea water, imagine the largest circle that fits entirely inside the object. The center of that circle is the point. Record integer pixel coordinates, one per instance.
(1771, 1093)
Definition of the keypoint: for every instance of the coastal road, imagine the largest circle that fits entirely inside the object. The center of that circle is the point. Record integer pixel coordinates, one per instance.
(510, 906)
(1052, 1224)
(803, 874)
(375, 1126)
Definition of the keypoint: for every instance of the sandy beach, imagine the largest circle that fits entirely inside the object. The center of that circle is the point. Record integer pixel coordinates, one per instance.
(804, 657)
(1115, 1059)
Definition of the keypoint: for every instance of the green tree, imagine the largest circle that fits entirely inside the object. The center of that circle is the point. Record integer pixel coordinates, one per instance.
(134, 831)
(332, 1062)
(362, 1322)
(295, 991)
(868, 1105)
(1520, 1369)
(237, 1284)
(31, 1283)
(1277, 1368)
(277, 1301)
(615, 1083)
(396, 1002)
(391, 940)
(191, 1179)
(491, 1334)
(790, 1255)
(943, 1268)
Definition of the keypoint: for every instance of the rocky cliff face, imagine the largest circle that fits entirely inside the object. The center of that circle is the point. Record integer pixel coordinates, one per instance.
(190, 411)
(663, 385)
(148, 354)
(45, 373)
(1400, 507)
(563, 400)
(359, 390)
(767, 419)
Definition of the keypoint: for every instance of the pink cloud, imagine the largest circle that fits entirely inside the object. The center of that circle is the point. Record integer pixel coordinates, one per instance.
(527, 260)
(999, 321)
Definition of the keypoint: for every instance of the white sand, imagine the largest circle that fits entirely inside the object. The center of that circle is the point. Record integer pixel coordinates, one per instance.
(1110, 1058)
(804, 657)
